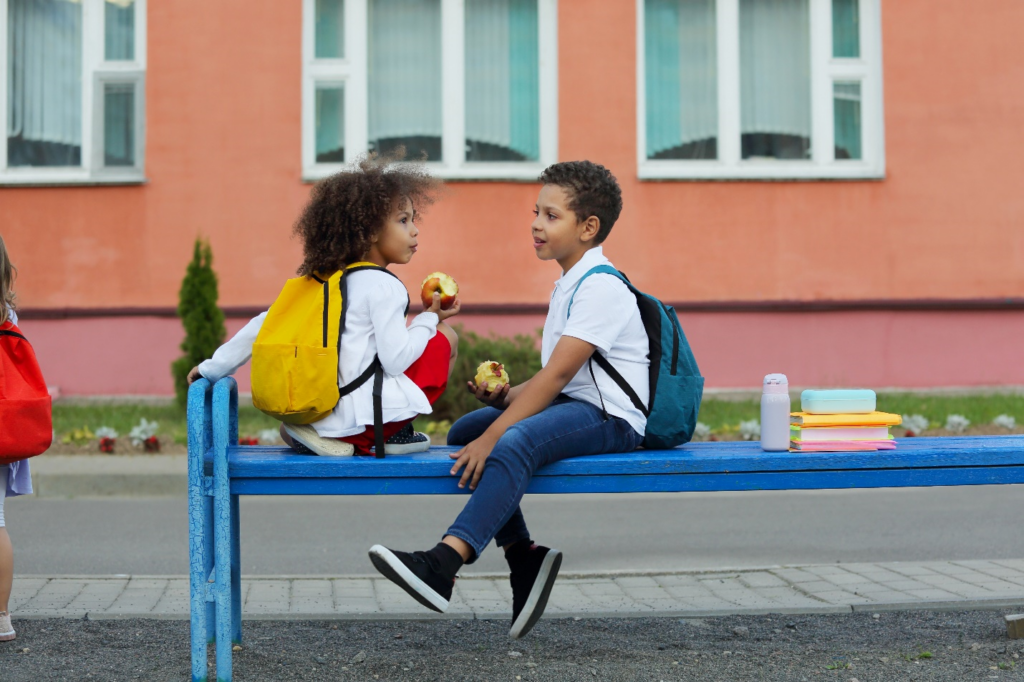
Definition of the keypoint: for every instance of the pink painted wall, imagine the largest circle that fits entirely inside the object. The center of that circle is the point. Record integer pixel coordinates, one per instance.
(735, 350)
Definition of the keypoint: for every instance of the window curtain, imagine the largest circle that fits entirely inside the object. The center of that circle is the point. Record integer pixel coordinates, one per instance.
(846, 112)
(44, 91)
(330, 29)
(330, 124)
(845, 28)
(775, 67)
(119, 124)
(119, 30)
(405, 69)
(502, 80)
(681, 74)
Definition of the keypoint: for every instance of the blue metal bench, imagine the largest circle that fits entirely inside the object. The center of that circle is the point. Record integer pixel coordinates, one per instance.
(219, 471)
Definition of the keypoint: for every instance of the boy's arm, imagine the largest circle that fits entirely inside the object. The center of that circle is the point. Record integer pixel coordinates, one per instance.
(566, 360)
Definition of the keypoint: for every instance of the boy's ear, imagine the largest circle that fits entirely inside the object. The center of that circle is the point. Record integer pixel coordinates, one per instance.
(591, 226)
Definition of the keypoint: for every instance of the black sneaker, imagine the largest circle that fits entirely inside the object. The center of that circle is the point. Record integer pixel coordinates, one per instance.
(407, 441)
(533, 576)
(411, 572)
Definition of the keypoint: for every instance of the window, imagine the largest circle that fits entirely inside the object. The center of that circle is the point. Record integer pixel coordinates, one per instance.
(72, 76)
(760, 89)
(467, 85)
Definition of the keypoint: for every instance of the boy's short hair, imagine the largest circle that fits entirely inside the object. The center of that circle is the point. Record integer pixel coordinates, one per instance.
(347, 209)
(592, 190)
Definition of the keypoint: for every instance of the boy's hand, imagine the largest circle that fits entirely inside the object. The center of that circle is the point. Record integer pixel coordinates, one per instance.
(193, 375)
(497, 398)
(473, 457)
(443, 315)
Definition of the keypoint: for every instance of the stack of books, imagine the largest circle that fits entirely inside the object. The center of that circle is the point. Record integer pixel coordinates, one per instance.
(821, 427)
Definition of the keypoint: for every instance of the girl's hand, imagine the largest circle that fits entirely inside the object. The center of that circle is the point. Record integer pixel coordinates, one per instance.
(193, 375)
(443, 315)
(473, 457)
(497, 398)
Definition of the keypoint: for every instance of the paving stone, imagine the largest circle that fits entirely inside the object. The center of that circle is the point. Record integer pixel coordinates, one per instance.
(679, 580)
(847, 579)
(636, 581)
(762, 580)
(795, 575)
(910, 569)
(932, 595)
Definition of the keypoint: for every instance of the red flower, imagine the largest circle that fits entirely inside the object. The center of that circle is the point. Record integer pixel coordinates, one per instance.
(248, 440)
(151, 444)
(107, 445)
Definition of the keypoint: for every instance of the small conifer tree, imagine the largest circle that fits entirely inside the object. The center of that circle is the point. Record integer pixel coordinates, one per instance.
(202, 319)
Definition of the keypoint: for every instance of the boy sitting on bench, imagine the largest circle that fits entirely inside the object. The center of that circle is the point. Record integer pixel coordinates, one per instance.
(567, 409)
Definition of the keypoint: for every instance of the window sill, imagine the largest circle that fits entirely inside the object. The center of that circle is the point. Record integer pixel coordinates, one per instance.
(470, 172)
(36, 177)
(767, 171)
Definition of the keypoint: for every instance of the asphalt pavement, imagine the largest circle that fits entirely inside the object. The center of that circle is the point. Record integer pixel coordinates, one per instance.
(597, 533)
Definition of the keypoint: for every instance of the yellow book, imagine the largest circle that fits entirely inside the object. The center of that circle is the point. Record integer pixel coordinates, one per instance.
(869, 419)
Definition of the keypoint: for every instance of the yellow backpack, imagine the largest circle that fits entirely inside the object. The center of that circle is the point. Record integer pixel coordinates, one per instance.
(295, 356)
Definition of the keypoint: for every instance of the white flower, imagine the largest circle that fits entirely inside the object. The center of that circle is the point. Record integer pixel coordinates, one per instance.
(750, 430)
(145, 429)
(1006, 421)
(106, 432)
(701, 431)
(269, 437)
(915, 423)
(957, 423)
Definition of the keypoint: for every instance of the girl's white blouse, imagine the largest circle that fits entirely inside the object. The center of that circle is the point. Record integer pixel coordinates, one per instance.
(374, 325)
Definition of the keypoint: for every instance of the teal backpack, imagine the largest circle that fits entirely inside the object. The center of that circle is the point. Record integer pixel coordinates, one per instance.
(676, 383)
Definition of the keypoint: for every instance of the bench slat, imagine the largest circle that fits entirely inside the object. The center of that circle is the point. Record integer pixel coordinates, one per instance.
(646, 483)
(251, 462)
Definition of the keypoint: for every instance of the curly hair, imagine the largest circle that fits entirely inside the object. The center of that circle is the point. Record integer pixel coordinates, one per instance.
(8, 273)
(592, 190)
(346, 210)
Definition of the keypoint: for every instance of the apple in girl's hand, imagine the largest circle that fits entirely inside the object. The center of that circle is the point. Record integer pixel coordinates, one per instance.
(493, 373)
(440, 282)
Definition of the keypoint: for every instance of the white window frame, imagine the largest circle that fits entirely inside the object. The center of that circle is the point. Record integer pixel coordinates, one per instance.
(825, 70)
(351, 72)
(96, 72)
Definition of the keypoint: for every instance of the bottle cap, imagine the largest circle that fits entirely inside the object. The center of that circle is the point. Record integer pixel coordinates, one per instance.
(775, 383)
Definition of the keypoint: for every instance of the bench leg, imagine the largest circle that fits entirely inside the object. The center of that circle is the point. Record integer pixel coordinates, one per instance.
(236, 575)
(208, 563)
(222, 587)
(200, 559)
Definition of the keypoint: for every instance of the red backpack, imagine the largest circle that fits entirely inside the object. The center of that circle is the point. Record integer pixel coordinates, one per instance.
(26, 425)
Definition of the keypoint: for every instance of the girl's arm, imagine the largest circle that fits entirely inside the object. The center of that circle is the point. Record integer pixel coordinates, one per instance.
(398, 346)
(566, 360)
(231, 355)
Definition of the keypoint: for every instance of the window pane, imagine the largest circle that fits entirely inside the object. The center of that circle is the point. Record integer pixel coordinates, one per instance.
(44, 83)
(330, 124)
(775, 79)
(846, 104)
(845, 28)
(405, 76)
(502, 82)
(330, 29)
(119, 32)
(681, 79)
(119, 124)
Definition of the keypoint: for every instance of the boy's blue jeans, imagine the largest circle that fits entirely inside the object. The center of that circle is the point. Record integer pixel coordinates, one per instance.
(567, 428)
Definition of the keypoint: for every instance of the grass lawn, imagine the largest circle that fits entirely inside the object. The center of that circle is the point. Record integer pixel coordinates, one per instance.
(720, 415)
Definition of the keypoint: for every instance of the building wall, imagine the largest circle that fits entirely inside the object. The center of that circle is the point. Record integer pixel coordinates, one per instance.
(223, 161)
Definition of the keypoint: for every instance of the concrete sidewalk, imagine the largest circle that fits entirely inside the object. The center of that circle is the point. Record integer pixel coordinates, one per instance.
(833, 588)
(64, 476)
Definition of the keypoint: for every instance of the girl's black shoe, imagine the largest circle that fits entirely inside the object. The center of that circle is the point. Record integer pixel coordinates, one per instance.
(533, 575)
(413, 573)
(406, 442)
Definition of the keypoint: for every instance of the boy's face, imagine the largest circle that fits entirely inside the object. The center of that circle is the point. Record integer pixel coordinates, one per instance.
(557, 233)
(397, 243)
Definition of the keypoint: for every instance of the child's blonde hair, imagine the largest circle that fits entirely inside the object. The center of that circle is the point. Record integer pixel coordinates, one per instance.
(7, 274)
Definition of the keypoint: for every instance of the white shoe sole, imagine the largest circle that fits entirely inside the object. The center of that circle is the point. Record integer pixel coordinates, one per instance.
(325, 447)
(407, 448)
(391, 567)
(538, 599)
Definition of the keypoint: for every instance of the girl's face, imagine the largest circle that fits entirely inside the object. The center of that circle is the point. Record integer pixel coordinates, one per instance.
(396, 242)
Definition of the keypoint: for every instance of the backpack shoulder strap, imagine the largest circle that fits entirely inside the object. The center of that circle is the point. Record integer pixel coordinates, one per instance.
(596, 270)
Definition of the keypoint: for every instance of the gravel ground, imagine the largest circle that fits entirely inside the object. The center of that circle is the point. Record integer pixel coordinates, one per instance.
(894, 646)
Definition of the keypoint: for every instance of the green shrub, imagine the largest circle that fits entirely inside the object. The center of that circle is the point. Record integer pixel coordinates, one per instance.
(520, 355)
(202, 319)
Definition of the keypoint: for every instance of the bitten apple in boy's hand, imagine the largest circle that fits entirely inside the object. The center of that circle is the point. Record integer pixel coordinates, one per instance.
(442, 283)
(493, 373)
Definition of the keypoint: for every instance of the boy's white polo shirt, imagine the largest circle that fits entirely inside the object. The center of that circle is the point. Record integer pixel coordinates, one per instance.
(605, 314)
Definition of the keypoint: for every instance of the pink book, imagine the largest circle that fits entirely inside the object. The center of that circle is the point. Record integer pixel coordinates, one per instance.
(842, 445)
